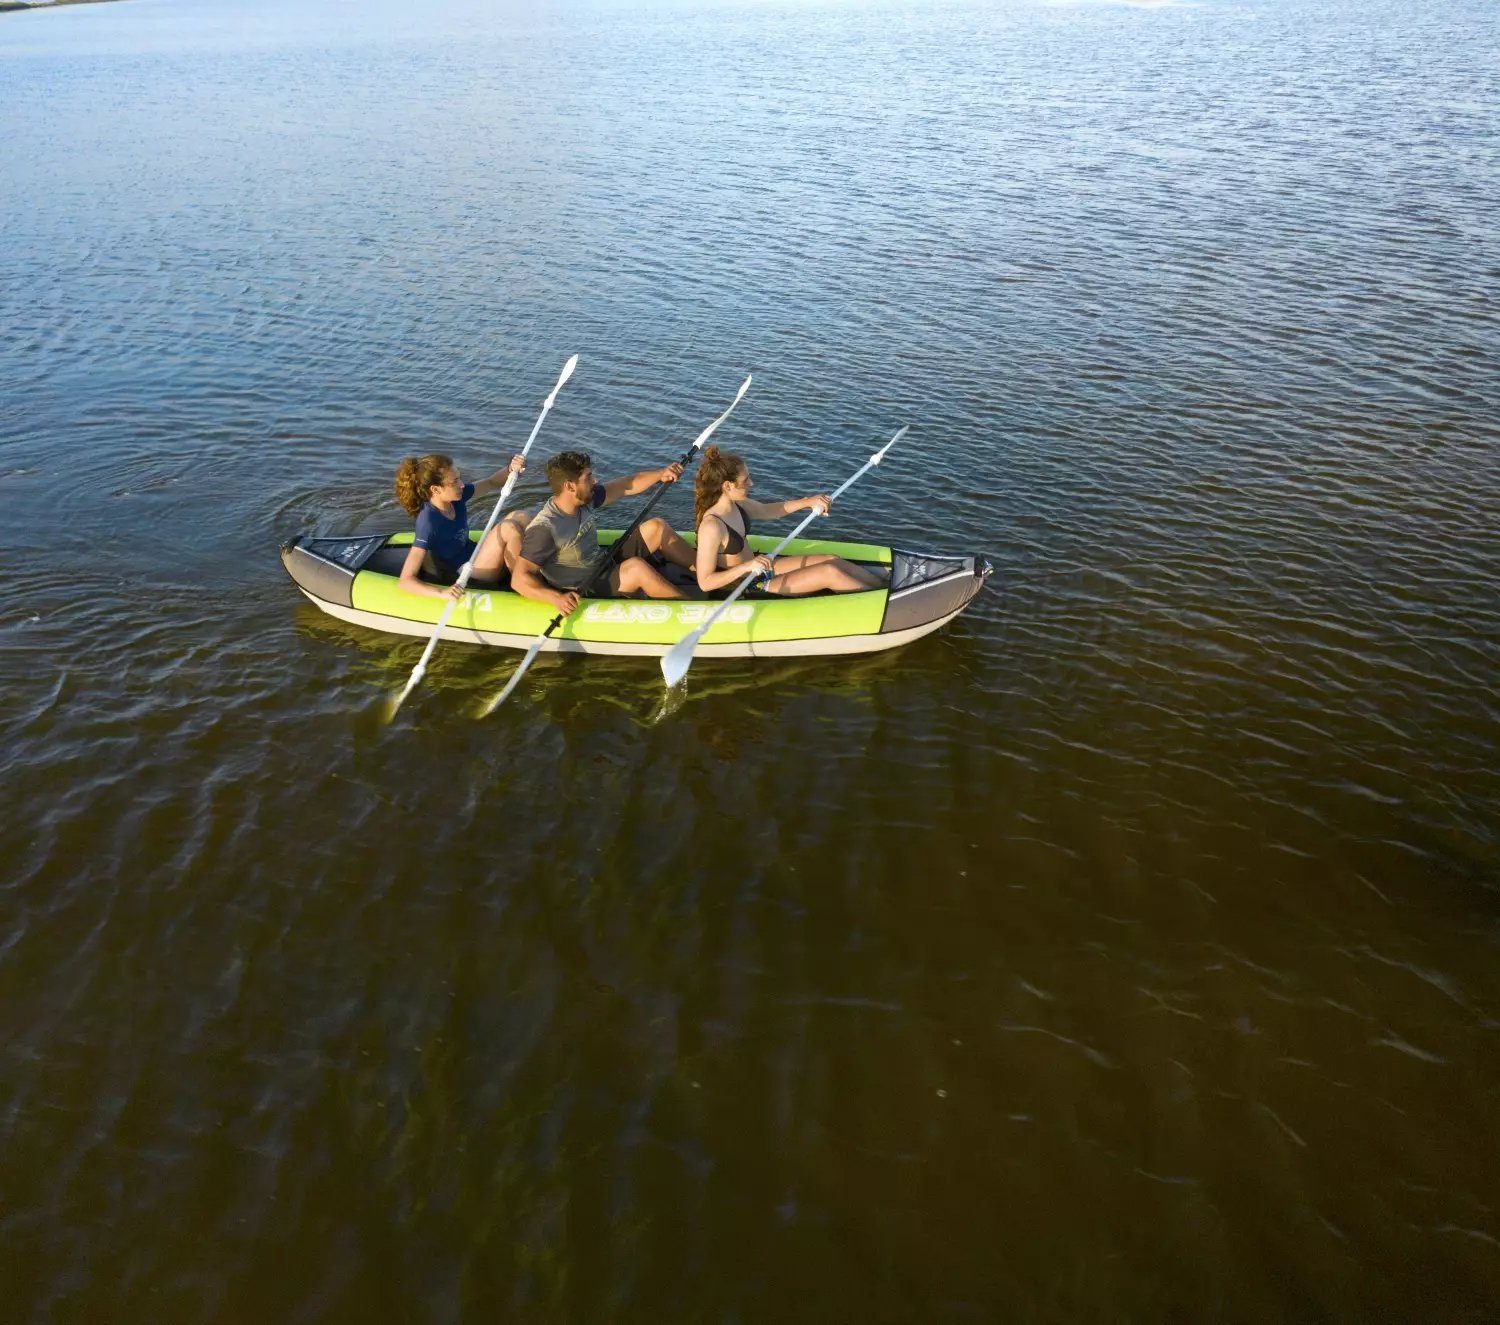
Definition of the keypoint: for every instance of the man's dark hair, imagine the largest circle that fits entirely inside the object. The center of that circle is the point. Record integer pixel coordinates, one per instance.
(566, 467)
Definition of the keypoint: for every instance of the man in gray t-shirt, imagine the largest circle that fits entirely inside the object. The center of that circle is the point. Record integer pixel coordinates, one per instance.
(560, 549)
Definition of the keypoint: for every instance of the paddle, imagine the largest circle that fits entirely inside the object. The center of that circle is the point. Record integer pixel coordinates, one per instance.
(607, 562)
(420, 669)
(676, 661)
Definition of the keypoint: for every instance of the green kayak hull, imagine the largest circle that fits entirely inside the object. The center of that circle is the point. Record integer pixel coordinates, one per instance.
(357, 579)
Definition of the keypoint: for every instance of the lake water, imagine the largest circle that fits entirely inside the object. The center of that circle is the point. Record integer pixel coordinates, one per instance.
(1125, 951)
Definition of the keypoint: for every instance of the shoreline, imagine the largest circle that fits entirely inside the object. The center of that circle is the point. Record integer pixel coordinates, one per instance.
(14, 6)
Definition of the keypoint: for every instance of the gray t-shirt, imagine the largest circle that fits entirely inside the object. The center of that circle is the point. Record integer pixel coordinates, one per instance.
(566, 547)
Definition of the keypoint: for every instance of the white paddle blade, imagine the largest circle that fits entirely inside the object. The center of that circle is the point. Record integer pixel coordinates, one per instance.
(880, 454)
(420, 670)
(567, 372)
(515, 680)
(676, 660)
(392, 706)
(738, 396)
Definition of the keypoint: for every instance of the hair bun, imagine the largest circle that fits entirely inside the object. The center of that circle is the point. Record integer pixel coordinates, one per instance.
(711, 453)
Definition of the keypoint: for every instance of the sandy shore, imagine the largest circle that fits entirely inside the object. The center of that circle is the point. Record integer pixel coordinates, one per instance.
(6, 6)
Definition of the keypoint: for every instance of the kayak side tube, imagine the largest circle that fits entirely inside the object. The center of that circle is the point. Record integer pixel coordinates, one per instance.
(324, 568)
(355, 579)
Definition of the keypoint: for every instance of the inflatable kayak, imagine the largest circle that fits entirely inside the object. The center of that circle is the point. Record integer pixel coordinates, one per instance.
(356, 579)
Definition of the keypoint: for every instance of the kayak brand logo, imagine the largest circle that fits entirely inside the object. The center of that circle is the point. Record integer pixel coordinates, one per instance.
(628, 614)
(659, 614)
(695, 614)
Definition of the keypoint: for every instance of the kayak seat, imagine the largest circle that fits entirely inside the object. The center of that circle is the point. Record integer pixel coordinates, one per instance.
(390, 560)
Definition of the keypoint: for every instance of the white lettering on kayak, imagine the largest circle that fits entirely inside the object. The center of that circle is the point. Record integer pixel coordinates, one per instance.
(659, 614)
(695, 614)
(628, 614)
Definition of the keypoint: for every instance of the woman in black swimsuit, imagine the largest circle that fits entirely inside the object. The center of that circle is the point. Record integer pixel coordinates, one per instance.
(722, 514)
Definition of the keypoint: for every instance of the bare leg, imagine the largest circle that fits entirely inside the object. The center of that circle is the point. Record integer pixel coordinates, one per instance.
(660, 537)
(637, 575)
(823, 573)
(798, 575)
(500, 548)
(512, 529)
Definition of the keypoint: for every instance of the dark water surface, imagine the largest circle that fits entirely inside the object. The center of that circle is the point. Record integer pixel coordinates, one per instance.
(1126, 951)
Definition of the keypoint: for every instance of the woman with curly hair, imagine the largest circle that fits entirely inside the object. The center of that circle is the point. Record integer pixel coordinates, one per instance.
(722, 515)
(431, 489)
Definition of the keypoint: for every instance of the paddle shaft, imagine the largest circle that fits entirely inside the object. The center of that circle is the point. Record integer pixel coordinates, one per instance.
(680, 655)
(607, 562)
(467, 569)
(612, 557)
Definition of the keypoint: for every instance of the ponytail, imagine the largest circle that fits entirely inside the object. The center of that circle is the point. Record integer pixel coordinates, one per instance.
(718, 468)
(415, 479)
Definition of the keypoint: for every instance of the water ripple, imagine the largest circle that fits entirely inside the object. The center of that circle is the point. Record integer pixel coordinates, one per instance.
(1166, 878)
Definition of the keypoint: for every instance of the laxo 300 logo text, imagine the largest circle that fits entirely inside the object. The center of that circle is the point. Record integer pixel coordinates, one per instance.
(659, 614)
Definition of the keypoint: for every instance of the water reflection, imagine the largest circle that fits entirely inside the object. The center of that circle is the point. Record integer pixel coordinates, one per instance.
(1124, 949)
(565, 686)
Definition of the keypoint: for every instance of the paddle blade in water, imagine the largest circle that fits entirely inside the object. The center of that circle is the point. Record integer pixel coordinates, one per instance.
(491, 705)
(390, 706)
(676, 660)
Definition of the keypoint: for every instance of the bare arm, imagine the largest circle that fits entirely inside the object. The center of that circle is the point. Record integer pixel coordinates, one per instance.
(710, 544)
(635, 483)
(775, 510)
(527, 581)
(496, 481)
(411, 568)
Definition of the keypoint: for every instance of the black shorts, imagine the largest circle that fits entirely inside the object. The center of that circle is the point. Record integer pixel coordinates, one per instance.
(615, 553)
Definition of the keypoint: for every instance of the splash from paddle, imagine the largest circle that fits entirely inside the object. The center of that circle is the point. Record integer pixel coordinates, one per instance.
(676, 661)
(420, 669)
